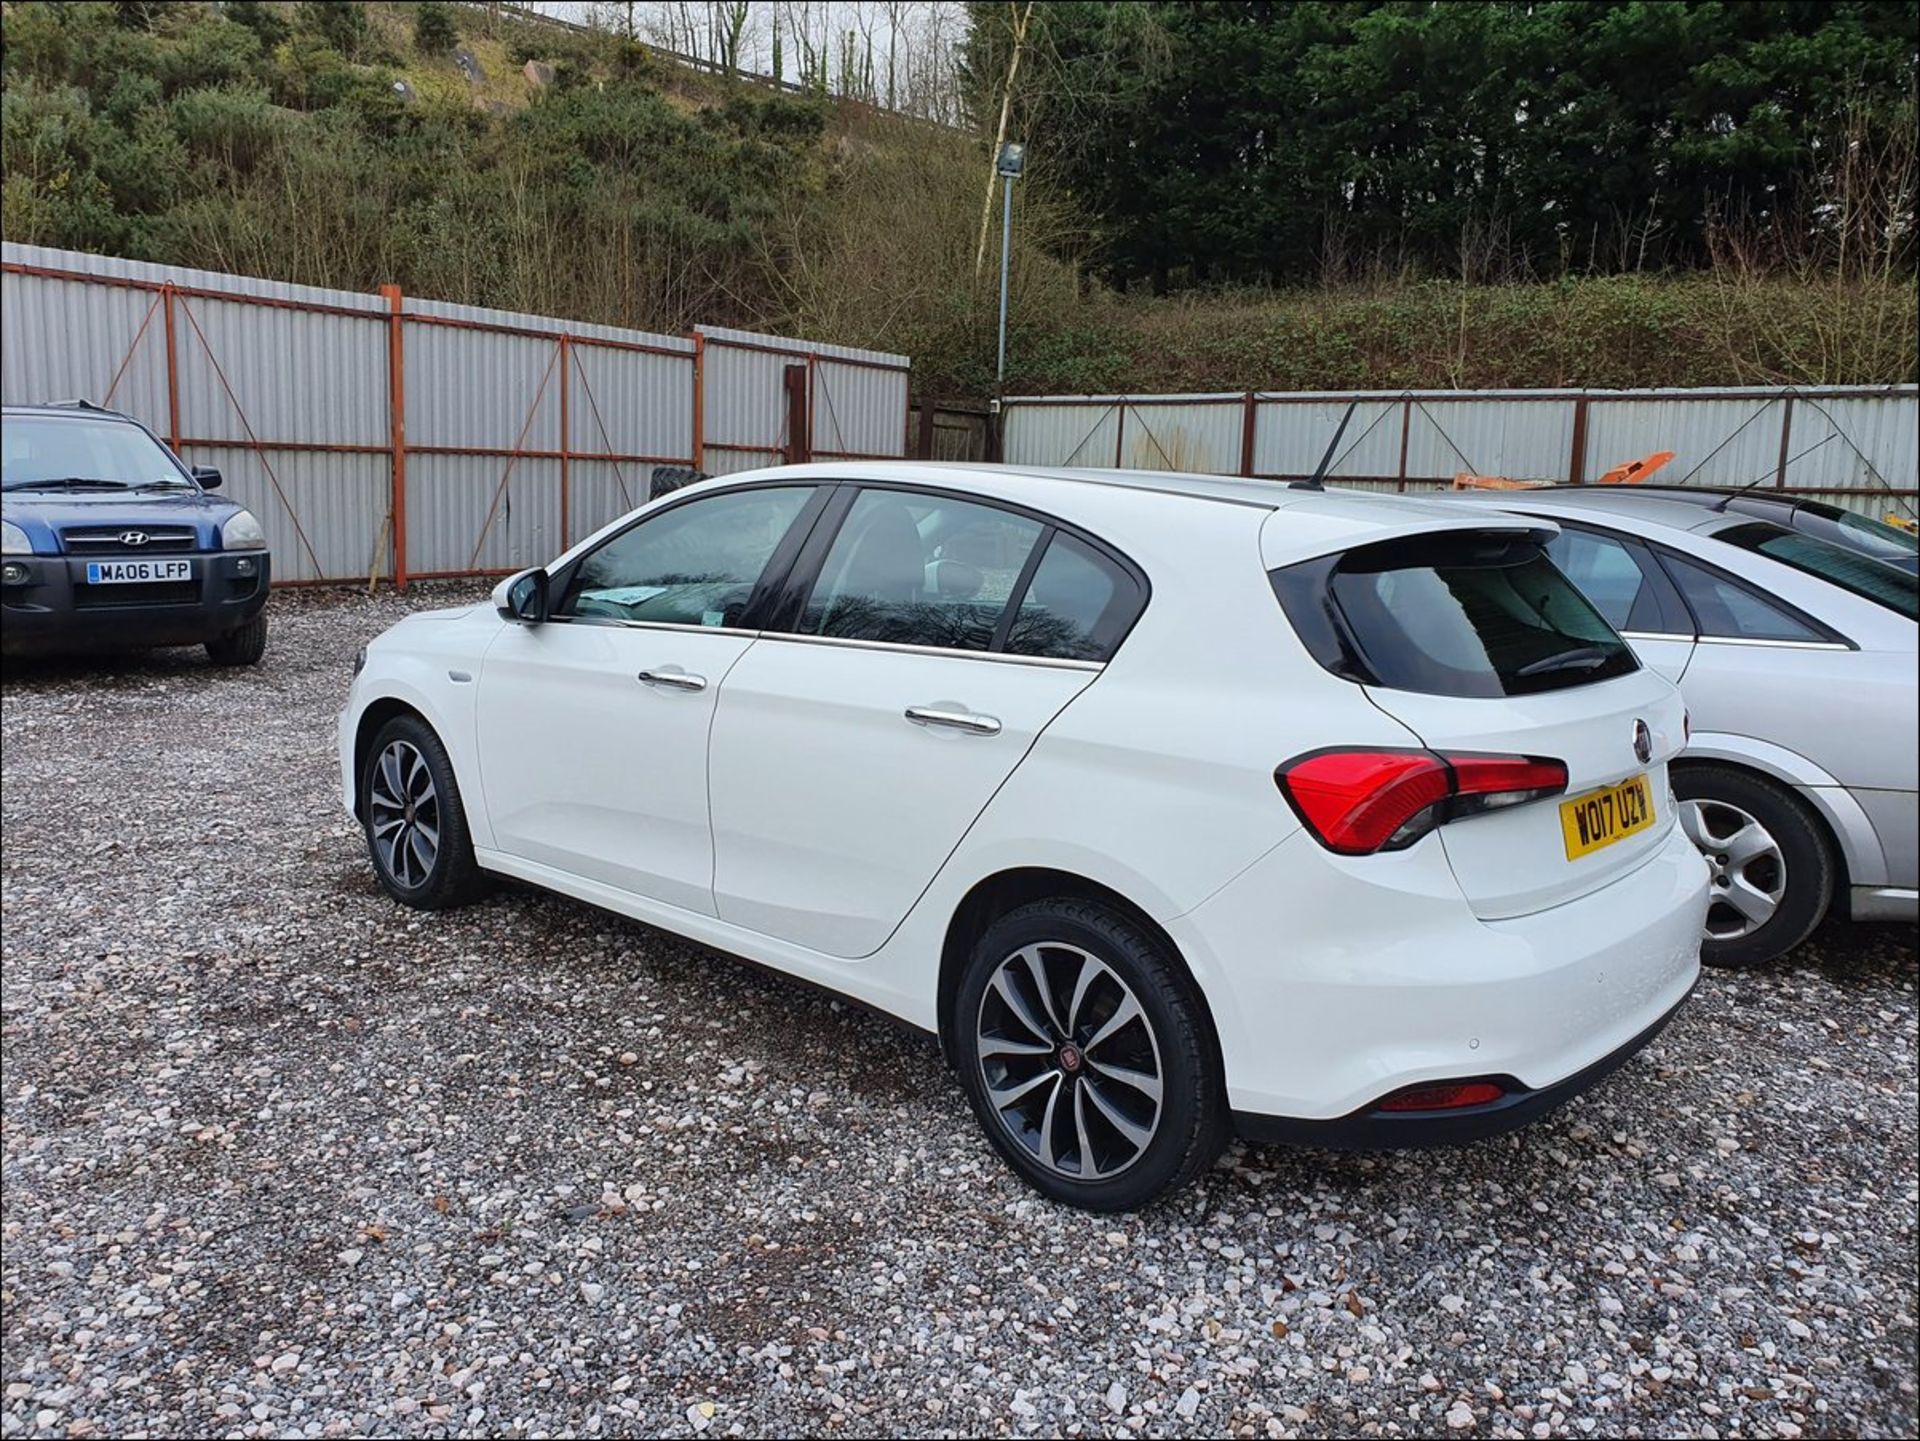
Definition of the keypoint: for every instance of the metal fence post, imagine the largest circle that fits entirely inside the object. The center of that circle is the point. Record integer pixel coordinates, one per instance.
(699, 401)
(173, 371)
(1577, 465)
(566, 436)
(397, 428)
(1786, 435)
(1248, 419)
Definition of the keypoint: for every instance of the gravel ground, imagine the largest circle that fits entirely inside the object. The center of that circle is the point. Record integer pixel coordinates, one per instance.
(282, 1158)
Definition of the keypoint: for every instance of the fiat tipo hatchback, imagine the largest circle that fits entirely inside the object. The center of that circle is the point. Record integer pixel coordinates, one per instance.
(1170, 804)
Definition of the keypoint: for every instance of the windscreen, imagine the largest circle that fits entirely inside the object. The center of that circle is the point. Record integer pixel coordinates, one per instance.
(1458, 613)
(46, 450)
(1896, 589)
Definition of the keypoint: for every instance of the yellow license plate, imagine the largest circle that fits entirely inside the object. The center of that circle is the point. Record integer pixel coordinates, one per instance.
(1599, 818)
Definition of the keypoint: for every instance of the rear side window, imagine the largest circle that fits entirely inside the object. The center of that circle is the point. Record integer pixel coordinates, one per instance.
(1077, 606)
(924, 570)
(1456, 613)
(1610, 577)
(1730, 611)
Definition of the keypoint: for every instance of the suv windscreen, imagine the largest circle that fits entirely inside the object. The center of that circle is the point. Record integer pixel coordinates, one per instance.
(1877, 581)
(49, 451)
(1458, 613)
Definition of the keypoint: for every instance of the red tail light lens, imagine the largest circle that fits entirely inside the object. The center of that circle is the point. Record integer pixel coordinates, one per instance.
(1448, 1096)
(1357, 802)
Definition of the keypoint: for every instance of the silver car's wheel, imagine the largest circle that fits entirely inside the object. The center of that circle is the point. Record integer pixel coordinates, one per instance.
(404, 819)
(1749, 870)
(1070, 1061)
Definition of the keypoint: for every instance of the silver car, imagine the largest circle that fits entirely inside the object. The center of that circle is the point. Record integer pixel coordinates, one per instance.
(1797, 659)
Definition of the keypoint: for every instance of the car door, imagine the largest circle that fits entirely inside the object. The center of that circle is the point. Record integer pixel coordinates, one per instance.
(592, 727)
(850, 753)
(1625, 584)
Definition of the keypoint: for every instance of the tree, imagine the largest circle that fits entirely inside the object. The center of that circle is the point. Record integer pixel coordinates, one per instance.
(433, 28)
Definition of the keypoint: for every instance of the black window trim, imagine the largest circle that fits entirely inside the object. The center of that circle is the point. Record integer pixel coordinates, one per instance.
(560, 578)
(783, 620)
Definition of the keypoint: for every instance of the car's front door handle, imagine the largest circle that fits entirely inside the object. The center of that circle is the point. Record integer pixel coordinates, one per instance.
(979, 725)
(675, 679)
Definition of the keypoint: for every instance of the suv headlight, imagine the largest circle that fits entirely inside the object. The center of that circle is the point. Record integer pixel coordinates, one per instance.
(242, 532)
(13, 540)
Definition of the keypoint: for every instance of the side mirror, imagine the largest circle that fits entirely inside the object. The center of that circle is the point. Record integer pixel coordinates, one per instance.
(522, 598)
(208, 476)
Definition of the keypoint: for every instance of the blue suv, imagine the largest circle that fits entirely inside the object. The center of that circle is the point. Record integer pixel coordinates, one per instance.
(110, 543)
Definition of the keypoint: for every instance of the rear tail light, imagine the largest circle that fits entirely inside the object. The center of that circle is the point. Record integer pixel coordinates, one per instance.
(1357, 802)
(1447, 1096)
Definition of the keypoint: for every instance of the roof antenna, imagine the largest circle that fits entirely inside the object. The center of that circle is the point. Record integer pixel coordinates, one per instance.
(1319, 481)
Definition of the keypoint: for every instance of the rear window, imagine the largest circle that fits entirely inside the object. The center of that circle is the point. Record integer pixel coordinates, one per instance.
(1458, 613)
(1897, 590)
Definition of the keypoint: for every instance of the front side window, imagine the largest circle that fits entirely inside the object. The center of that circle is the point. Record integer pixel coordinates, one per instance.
(58, 452)
(912, 569)
(693, 564)
(1851, 570)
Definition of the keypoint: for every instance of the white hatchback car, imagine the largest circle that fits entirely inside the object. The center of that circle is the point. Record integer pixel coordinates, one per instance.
(1170, 804)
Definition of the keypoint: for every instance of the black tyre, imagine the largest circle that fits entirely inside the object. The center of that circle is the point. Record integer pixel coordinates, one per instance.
(415, 825)
(241, 646)
(1773, 874)
(1088, 1056)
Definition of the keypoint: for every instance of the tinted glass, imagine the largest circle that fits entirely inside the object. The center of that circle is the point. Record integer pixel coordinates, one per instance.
(1461, 615)
(695, 564)
(1610, 577)
(1730, 610)
(1897, 590)
(1077, 606)
(35, 449)
(919, 570)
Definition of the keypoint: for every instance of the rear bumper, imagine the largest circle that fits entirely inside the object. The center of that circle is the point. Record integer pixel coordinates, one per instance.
(1374, 1130)
(1335, 982)
(49, 607)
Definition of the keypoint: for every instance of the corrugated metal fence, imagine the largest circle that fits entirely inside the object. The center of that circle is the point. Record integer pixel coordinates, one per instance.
(412, 438)
(1858, 446)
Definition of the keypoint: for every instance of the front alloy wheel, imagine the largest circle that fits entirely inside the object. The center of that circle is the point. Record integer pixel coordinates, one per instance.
(415, 825)
(404, 819)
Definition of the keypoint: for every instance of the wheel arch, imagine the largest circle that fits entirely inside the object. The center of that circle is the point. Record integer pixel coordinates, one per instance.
(1818, 801)
(1007, 890)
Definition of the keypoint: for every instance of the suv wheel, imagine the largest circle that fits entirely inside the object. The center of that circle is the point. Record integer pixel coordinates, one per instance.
(243, 645)
(1772, 875)
(415, 825)
(1087, 1056)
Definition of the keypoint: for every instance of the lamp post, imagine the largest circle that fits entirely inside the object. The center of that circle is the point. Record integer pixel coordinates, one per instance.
(1013, 159)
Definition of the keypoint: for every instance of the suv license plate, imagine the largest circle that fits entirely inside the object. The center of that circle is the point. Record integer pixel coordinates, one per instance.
(109, 572)
(1599, 818)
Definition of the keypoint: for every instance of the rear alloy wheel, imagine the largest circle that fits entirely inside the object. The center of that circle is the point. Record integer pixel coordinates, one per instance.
(1772, 877)
(416, 828)
(1087, 1058)
(241, 646)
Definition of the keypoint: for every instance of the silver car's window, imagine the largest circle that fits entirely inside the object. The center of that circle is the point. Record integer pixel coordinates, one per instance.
(1730, 611)
(693, 564)
(1608, 576)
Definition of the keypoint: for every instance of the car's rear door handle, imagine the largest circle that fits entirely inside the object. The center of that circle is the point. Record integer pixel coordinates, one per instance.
(675, 679)
(979, 725)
